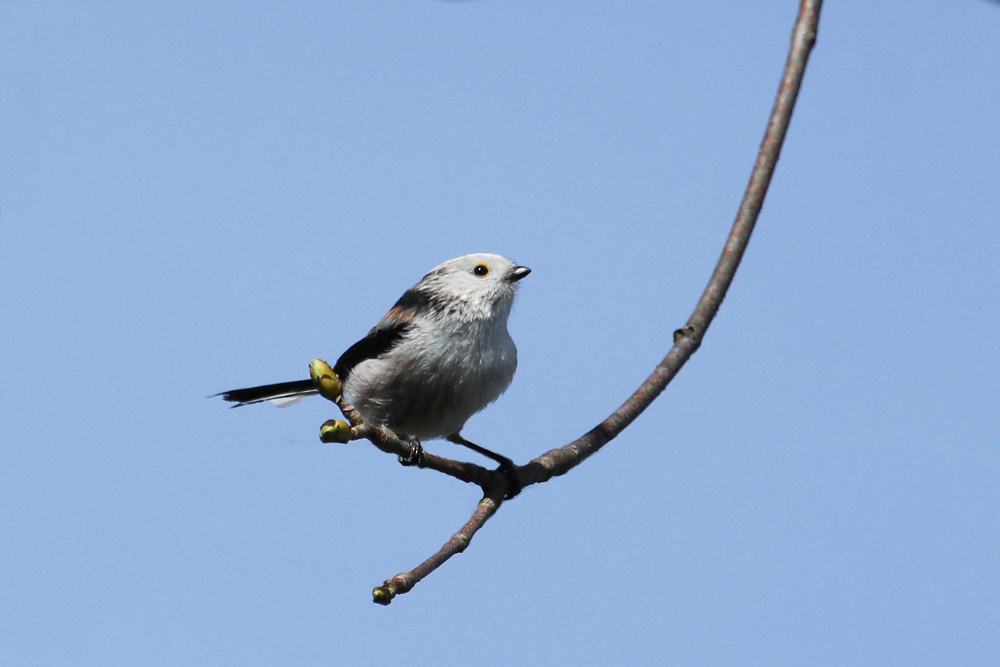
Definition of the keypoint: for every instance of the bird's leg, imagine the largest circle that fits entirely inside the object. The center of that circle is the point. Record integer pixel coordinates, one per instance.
(416, 455)
(507, 466)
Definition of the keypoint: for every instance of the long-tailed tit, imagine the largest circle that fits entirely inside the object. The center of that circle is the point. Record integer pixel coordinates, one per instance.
(440, 355)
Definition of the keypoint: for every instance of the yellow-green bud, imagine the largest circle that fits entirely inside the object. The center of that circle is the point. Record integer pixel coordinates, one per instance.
(382, 595)
(326, 381)
(335, 430)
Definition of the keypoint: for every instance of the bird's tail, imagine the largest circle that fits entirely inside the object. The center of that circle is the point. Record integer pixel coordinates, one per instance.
(282, 394)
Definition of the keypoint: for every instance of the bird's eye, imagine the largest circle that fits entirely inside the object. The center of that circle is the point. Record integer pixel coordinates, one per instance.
(481, 270)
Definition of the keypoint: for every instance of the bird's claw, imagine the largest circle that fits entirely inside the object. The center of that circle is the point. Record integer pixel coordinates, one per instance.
(416, 455)
(509, 471)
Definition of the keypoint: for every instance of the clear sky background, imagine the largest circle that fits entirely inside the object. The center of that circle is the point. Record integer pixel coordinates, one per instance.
(197, 197)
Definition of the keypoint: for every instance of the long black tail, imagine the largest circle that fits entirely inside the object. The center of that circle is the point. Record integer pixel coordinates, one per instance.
(281, 394)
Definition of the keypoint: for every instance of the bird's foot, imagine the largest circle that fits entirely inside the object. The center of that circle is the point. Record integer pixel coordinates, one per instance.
(507, 467)
(416, 455)
(509, 471)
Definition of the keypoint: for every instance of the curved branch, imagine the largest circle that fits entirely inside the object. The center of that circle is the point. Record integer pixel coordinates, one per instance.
(686, 340)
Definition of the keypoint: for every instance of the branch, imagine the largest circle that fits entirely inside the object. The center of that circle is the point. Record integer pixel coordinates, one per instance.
(687, 340)
(402, 583)
(390, 443)
(328, 386)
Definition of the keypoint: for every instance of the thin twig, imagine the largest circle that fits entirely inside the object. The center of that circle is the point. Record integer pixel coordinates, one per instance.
(402, 583)
(686, 340)
(390, 443)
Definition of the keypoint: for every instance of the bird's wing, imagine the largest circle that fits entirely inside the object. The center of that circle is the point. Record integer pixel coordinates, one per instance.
(377, 343)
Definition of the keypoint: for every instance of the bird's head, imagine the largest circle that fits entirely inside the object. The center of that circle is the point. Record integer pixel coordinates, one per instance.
(481, 285)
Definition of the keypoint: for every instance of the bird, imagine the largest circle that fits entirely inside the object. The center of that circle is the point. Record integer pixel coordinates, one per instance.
(441, 354)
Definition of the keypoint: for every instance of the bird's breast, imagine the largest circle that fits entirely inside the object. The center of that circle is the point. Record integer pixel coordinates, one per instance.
(435, 379)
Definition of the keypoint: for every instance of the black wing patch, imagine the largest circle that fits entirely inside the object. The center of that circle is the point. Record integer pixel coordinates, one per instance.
(376, 344)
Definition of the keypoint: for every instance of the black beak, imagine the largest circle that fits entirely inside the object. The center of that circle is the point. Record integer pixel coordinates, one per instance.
(518, 273)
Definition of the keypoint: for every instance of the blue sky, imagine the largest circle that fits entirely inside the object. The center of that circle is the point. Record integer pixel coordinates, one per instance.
(195, 197)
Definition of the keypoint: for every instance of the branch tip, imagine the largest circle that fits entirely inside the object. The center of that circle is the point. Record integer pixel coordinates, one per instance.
(382, 595)
(327, 383)
(335, 431)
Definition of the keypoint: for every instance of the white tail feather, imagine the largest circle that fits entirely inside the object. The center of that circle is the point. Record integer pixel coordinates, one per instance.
(285, 401)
